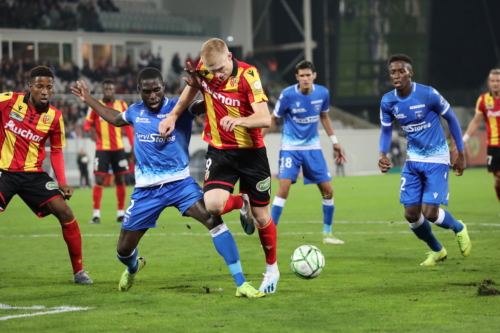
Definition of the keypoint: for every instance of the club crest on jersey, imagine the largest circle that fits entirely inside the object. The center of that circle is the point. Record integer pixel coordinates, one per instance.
(396, 110)
(15, 116)
(298, 104)
(317, 107)
(233, 81)
(419, 114)
(46, 118)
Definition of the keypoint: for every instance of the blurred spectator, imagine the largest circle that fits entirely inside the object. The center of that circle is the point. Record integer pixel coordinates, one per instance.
(107, 6)
(176, 64)
(83, 162)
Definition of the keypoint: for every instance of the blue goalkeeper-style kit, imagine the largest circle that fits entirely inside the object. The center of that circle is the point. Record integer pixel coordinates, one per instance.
(300, 146)
(425, 174)
(162, 167)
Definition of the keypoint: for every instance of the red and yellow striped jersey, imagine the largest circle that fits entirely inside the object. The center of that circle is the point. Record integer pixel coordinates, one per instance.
(233, 97)
(109, 137)
(25, 131)
(490, 108)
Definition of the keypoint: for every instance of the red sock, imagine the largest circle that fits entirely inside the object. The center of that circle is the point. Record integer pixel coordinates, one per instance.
(233, 202)
(73, 238)
(268, 239)
(497, 189)
(97, 194)
(121, 192)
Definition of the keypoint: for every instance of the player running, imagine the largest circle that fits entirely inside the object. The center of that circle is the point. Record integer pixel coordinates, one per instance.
(162, 177)
(424, 180)
(236, 111)
(302, 106)
(109, 152)
(27, 121)
(488, 107)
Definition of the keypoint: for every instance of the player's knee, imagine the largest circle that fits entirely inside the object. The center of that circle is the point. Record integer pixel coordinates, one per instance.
(327, 195)
(214, 207)
(412, 217)
(431, 216)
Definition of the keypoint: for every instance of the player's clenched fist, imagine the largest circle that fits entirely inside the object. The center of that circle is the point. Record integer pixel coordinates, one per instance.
(229, 123)
(166, 126)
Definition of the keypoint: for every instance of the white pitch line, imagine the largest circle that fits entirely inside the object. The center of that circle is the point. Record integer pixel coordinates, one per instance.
(57, 309)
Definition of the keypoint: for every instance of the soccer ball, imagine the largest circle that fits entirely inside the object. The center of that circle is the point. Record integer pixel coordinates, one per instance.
(307, 262)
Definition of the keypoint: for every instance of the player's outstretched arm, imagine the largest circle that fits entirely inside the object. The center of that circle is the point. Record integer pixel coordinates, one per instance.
(266, 130)
(337, 149)
(259, 119)
(112, 116)
(167, 125)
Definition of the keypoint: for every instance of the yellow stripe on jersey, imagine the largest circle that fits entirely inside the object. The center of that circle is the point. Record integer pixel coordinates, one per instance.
(241, 135)
(489, 101)
(493, 131)
(203, 71)
(45, 121)
(479, 103)
(63, 134)
(104, 135)
(7, 151)
(31, 157)
(6, 96)
(233, 81)
(20, 107)
(253, 79)
(214, 133)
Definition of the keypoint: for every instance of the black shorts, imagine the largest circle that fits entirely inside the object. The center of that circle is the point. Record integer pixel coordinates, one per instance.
(493, 158)
(114, 158)
(225, 167)
(35, 188)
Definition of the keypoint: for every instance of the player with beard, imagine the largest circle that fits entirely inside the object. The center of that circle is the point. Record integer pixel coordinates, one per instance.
(109, 152)
(162, 177)
(27, 122)
(424, 180)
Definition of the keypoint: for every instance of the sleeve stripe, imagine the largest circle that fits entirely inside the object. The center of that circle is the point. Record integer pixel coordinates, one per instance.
(125, 118)
(386, 124)
(276, 114)
(326, 110)
(446, 109)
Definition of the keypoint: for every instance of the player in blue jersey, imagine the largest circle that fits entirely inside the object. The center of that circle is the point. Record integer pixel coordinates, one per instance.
(162, 177)
(424, 180)
(302, 106)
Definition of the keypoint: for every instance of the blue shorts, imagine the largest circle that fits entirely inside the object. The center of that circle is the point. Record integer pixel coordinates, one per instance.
(147, 203)
(426, 183)
(312, 162)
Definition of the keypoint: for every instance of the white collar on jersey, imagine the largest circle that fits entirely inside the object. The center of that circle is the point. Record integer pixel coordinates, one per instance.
(297, 87)
(414, 85)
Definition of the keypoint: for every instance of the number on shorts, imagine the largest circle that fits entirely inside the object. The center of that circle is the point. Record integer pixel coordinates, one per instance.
(209, 163)
(286, 162)
(130, 207)
(403, 182)
(489, 159)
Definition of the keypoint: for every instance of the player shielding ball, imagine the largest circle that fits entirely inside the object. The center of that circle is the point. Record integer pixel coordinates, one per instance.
(488, 108)
(302, 107)
(27, 122)
(424, 179)
(162, 177)
(110, 151)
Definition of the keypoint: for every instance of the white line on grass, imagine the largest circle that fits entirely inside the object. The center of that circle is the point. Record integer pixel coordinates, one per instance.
(57, 309)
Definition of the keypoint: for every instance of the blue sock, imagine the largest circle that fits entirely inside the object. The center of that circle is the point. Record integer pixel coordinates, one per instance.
(424, 232)
(130, 261)
(226, 247)
(277, 209)
(276, 213)
(328, 211)
(446, 221)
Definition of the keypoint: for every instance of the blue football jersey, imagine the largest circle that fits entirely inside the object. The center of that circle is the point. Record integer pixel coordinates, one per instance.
(418, 114)
(301, 116)
(159, 160)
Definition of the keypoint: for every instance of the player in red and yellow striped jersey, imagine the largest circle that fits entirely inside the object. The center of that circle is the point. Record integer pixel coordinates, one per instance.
(109, 151)
(236, 112)
(488, 107)
(27, 121)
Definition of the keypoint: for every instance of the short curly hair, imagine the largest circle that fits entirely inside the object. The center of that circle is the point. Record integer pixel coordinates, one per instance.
(399, 57)
(42, 71)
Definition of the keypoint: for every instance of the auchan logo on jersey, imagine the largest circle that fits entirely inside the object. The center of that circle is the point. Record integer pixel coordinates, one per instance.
(223, 99)
(27, 134)
(493, 113)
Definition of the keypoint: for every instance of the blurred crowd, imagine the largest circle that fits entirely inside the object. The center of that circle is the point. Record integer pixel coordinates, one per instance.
(53, 14)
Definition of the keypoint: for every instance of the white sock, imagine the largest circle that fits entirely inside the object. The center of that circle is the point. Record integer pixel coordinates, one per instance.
(120, 212)
(97, 213)
(279, 201)
(272, 268)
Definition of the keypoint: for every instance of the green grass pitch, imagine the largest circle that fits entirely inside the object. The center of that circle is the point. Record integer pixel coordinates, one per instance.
(373, 283)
